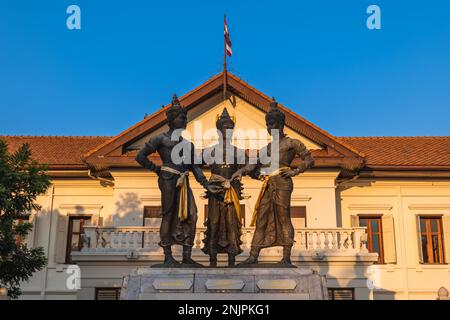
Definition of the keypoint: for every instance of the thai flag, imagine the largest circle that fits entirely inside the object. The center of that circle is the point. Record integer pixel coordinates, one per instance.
(227, 38)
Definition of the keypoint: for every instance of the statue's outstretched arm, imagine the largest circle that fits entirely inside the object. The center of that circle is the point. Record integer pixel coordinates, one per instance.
(196, 169)
(247, 169)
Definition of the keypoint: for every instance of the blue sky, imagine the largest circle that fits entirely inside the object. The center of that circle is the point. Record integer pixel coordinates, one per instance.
(317, 57)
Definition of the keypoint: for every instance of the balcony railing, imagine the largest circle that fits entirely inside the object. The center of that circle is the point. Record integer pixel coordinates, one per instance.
(110, 239)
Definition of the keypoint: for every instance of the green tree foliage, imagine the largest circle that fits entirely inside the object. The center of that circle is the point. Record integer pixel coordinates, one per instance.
(21, 181)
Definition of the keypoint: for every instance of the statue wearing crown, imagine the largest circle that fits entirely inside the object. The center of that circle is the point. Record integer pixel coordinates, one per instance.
(272, 209)
(179, 211)
(224, 216)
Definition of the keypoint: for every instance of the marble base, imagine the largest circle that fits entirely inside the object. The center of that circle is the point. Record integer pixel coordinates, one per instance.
(223, 284)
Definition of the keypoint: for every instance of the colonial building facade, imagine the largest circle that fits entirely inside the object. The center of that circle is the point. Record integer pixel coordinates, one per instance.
(373, 215)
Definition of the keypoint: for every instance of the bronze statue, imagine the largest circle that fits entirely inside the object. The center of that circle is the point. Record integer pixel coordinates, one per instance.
(272, 210)
(224, 220)
(179, 211)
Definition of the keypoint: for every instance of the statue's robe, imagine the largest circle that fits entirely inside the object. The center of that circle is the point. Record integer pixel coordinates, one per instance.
(273, 218)
(223, 226)
(173, 229)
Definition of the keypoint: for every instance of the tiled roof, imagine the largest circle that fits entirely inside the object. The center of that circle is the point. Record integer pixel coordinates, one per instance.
(403, 151)
(60, 151)
(56, 151)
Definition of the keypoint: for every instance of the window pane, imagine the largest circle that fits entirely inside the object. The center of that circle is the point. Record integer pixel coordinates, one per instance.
(434, 225)
(423, 225)
(436, 249)
(374, 224)
(75, 242)
(376, 243)
(424, 249)
(76, 225)
(363, 222)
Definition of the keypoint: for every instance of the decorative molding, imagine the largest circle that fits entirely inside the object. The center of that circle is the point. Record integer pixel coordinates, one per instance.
(80, 214)
(300, 197)
(150, 197)
(429, 206)
(363, 206)
(80, 208)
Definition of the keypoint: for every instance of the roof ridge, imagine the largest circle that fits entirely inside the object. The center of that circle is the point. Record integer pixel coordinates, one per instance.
(391, 137)
(294, 114)
(50, 136)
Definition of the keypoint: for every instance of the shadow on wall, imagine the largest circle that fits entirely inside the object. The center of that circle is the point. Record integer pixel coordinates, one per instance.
(341, 188)
(128, 212)
(363, 279)
(370, 274)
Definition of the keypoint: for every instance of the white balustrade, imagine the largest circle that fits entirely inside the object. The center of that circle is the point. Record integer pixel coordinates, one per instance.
(306, 239)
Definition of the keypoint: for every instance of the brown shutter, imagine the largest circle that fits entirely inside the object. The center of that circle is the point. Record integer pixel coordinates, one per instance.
(341, 294)
(61, 238)
(446, 234)
(354, 221)
(107, 293)
(419, 239)
(387, 224)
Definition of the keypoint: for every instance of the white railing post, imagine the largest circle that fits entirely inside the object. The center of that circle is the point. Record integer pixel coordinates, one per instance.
(357, 240)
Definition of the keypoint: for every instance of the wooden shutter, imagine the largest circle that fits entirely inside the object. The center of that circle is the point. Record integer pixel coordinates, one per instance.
(387, 224)
(107, 293)
(341, 294)
(354, 221)
(446, 234)
(61, 238)
(419, 239)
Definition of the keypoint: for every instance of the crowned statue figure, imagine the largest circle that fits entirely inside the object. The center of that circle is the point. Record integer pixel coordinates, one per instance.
(179, 211)
(271, 215)
(224, 216)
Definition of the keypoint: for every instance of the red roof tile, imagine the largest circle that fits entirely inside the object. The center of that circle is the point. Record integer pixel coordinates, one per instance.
(60, 151)
(56, 150)
(403, 151)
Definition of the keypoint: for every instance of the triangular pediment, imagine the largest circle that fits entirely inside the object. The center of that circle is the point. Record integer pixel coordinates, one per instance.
(249, 129)
(204, 104)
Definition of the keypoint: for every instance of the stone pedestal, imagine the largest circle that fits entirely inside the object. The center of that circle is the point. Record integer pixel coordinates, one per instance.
(223, 284)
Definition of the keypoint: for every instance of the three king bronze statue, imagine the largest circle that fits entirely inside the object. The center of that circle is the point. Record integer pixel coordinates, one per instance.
(271, 217)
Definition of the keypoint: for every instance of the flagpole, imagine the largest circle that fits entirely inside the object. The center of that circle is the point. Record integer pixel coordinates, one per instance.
(224, 61)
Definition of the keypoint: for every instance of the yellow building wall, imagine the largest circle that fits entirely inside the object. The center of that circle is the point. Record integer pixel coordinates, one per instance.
(404, 200)
(123, 204)
(66, 197)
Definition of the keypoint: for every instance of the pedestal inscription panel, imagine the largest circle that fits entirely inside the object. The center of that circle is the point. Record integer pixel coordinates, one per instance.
(223, 284)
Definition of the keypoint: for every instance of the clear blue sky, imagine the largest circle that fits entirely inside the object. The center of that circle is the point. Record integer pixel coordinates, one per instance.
(317, 57)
